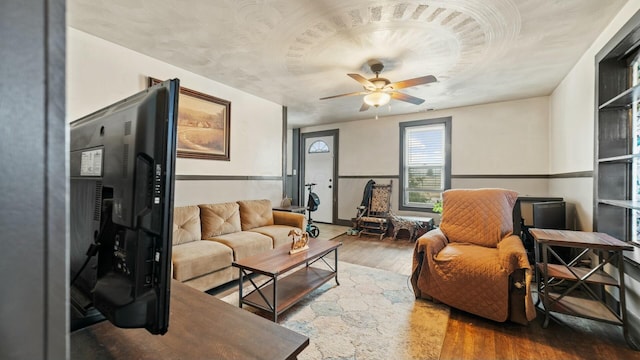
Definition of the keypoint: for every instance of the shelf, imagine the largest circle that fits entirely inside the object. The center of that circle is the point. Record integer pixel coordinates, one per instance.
(562, 272)
(582, 307)
(628, 204)
(622, 158)
(623, 100)
(291, 288)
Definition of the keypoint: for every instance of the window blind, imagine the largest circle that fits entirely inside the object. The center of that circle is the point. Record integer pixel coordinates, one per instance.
(425, 157)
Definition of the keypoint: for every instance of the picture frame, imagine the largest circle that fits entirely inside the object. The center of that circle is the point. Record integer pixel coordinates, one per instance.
(204, 125)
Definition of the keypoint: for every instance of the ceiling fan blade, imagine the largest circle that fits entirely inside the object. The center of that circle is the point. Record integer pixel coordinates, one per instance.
(407, 98)
(348, 94)
(411, 82)
(364, 107)
(363, 81)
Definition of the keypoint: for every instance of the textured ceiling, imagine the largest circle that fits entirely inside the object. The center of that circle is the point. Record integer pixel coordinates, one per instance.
(294, 52)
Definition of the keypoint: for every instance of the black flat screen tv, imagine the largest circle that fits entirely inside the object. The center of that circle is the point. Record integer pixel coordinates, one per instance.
(552, 215)
(549, 215)
(122, 160)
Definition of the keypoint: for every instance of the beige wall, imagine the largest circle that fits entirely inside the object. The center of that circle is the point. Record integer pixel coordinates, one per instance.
(505, 138)
(100, 73)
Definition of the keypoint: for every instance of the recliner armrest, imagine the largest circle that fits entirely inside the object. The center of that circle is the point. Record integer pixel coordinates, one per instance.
(426, 248)
(512, 254)
(431, 242)
(290, 218)
(513, 258)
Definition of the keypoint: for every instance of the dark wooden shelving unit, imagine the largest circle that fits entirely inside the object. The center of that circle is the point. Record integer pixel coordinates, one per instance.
(623, 100)
(617, 134)
(626, 204)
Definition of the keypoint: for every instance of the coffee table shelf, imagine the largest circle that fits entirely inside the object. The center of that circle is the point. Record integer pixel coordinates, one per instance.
(291, 288)
(291, 277)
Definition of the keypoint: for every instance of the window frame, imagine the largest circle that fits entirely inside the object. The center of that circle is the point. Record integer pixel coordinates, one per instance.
(446, 121)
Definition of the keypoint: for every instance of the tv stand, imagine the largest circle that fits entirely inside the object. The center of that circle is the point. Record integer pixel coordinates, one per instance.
(200, 327)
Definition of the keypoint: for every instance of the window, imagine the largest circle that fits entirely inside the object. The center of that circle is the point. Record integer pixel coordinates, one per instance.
(318, 146)
(425, 162)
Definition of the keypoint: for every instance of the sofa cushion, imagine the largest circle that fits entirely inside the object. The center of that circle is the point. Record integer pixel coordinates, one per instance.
(255, 213)
(198, 258)
(279, 234)
(219, 219)
(186, 224)
(245, 243)
(211, 280)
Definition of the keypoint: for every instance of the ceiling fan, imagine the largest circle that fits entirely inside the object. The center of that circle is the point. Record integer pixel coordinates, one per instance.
(379, 91)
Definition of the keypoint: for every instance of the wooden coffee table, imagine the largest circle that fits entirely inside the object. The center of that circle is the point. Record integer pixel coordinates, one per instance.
(291, 277)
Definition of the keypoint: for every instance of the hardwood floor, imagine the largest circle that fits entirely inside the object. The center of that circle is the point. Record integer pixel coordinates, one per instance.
(472, 337)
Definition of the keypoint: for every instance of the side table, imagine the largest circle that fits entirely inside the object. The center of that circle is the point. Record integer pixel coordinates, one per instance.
(413, 224)
(292, 208)
(592, 304)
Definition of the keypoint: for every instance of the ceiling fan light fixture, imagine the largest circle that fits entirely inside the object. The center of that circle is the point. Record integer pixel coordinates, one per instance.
(377, 98)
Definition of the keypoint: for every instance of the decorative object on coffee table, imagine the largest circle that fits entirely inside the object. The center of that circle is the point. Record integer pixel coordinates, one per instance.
(299, 241)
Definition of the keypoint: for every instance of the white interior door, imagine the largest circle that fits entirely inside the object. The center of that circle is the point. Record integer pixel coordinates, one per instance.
(318, 169)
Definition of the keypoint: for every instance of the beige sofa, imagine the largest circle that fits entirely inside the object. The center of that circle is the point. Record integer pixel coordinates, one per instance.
(208, 237)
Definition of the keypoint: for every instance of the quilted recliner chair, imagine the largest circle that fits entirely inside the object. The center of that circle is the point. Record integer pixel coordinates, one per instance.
(473, 262)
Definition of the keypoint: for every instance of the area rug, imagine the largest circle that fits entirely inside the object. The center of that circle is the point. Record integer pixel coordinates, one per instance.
(372, 314)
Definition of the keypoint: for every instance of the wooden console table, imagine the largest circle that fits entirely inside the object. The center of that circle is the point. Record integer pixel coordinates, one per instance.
(200, 327)
(592, 304)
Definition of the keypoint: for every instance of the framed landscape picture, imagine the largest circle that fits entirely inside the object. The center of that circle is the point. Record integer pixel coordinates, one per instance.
(203, 125)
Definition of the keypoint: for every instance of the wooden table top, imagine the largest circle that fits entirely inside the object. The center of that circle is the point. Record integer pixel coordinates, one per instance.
(278, 260)
(292, 208)
(583, 239)
(200, 327)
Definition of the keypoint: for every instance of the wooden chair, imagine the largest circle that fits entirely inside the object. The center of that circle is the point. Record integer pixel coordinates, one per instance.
(374, 220)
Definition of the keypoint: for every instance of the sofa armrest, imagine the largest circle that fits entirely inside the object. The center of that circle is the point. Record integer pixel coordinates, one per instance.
(512, 254)
(290, 218)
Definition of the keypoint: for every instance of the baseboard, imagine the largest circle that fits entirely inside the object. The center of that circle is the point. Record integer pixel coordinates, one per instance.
(344, 222)
(633, 320)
